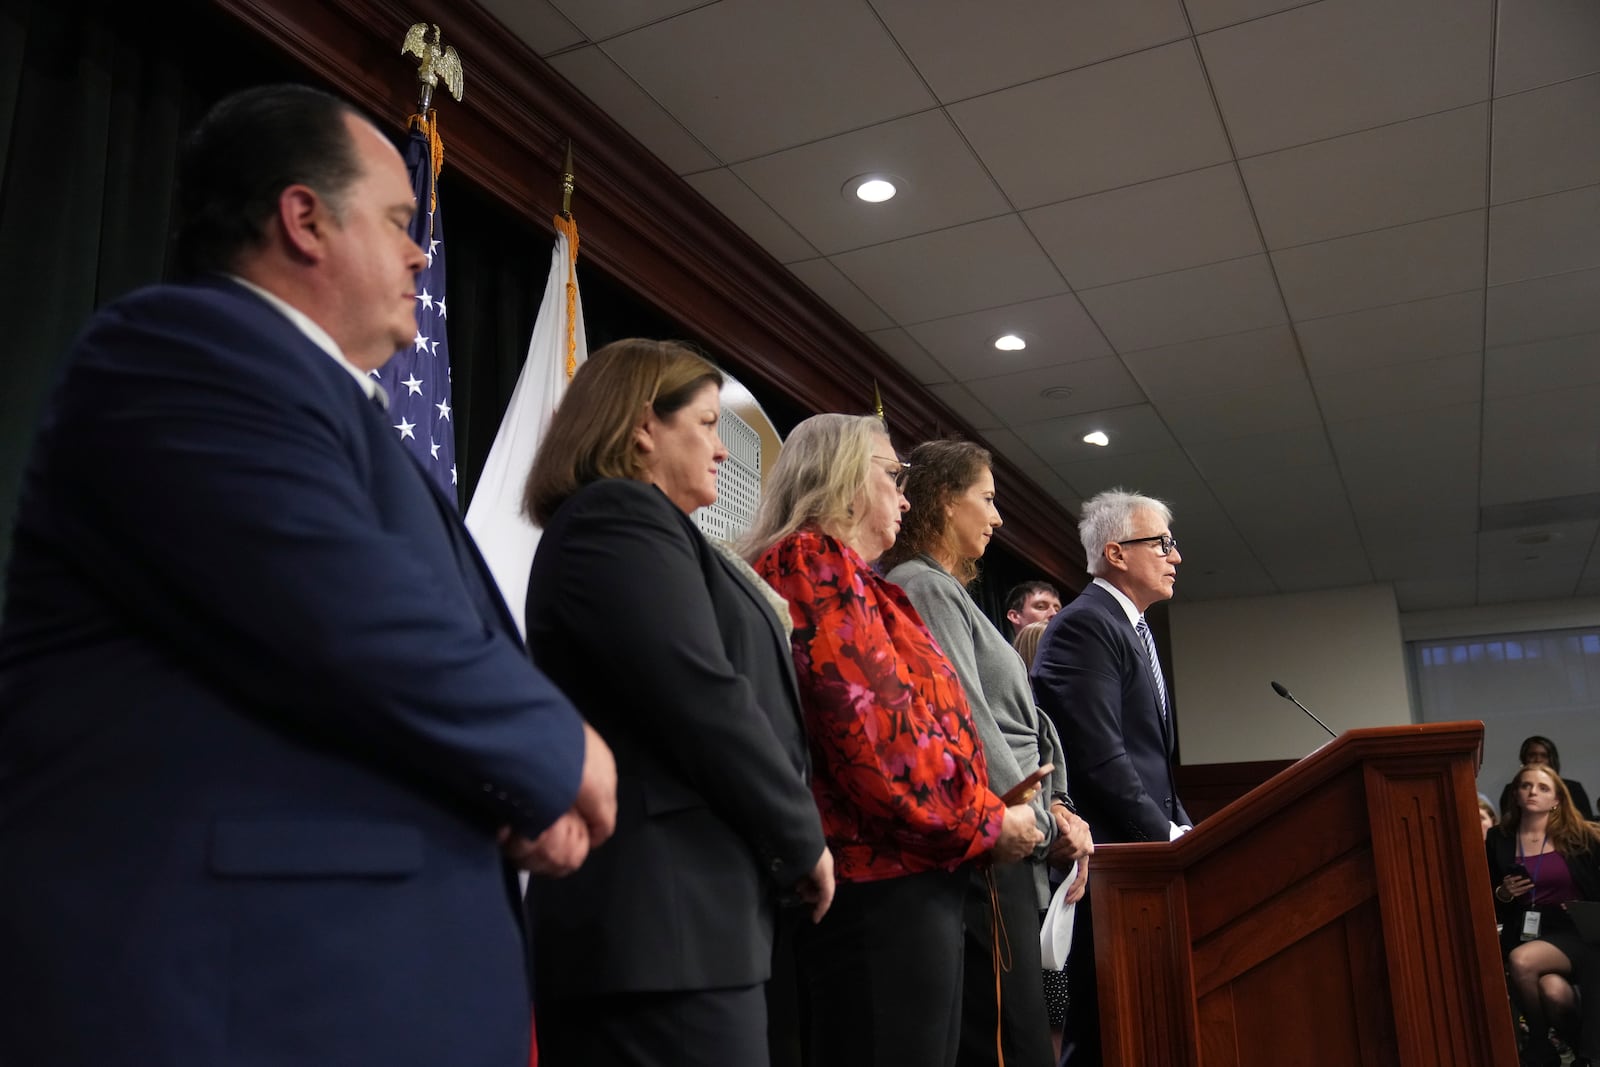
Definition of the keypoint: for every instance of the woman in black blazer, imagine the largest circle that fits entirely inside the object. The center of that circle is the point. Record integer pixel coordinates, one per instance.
(657, 949)
(1541, 857)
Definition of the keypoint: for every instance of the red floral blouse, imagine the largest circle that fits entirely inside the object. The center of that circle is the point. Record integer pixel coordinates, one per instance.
(900, 776)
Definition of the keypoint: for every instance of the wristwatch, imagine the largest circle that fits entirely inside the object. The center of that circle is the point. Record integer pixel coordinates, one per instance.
(1064, 800)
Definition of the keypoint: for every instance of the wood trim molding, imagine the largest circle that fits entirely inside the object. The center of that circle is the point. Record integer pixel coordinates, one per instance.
(640, 223)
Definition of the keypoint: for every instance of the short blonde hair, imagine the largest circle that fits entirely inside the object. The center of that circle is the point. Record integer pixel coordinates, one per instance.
(591, 433)
(819, 474)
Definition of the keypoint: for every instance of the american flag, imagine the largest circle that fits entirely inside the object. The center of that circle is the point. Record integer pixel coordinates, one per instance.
(417, 379)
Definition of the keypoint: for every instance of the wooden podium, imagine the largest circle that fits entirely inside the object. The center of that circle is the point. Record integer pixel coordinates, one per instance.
(1338, 915)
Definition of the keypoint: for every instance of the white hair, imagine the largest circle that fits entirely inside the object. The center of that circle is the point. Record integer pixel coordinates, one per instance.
(1109, 516)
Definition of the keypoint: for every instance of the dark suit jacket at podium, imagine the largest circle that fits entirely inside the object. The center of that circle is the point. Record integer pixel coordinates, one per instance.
(1092, 677)
(262, 713)
(683, 668)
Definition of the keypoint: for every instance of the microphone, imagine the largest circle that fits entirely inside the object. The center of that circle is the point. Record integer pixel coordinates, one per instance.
(1278, 688)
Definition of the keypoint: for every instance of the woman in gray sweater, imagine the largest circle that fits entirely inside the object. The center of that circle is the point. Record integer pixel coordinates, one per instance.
(952, 517)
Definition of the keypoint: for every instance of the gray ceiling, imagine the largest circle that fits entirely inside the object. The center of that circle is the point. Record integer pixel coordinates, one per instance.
(1327, 273)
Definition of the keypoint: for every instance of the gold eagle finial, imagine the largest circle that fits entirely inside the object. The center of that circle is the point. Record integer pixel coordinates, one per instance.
(435, 61)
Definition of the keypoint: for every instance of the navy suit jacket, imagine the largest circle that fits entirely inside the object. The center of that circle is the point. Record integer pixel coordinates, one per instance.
(682, 666)
(262, 712)
(1092, 677)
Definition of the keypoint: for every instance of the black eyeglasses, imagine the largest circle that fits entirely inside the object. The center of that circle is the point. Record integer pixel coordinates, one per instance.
(899, 474)
(1164, 543)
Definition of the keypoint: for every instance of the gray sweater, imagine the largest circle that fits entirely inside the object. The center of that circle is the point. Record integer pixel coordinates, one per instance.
(1017, 738)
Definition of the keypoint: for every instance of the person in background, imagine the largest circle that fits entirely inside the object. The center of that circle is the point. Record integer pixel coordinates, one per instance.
(1487, 814)
(1031, 602)
(1027, 642)
(267, 731)
(900, 775)
(1098, 678)
(1537, 749)
(1542, 856)
(951, 520)
(657, 951)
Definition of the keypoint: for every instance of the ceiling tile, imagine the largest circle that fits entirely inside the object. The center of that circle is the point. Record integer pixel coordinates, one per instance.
(1544, 41)
(1241, 412)
(1430, 594)
(1556, 363)
(1441, 501)
(1327, 566)
(964, 404)
(1239, 458)
(1216, 364)
(1533, 583)
(1546, 140)
(1545, 235)
(1364, 181)
(1165, 475)
(1187, 305)
(538, 23)
(1207, 15)
(1559, 544)
(826, 281)
(1399, 333)
(1556, 306)
(1427, 557)
(1241, 579)
(1094, 385)
(961, 55)
(1008, 444)
(1057, 330)
(1131, 430)
(1541, 445)
(741, 101)
(1327, 69)
(904, 350)
(942, 183)
(618, 96)
(1391, 442)
(606, 18)
(1391, 266)
(1127, 120)
(1400, 387)
(746, 210)
(1268, 506)
(1168, 224)
(980, 265)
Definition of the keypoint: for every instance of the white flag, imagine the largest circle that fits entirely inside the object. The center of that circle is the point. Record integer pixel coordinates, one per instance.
(504, 534)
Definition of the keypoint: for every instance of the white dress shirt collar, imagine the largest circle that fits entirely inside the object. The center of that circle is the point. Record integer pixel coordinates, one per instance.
(1134, 614)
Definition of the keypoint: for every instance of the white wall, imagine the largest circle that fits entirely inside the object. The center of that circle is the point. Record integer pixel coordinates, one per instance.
(1339, 651)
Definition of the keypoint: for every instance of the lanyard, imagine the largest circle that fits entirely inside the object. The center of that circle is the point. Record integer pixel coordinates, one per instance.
(1533, 874)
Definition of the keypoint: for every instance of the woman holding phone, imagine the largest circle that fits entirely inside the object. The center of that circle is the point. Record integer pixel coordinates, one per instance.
(1544, 855)
(952, 518)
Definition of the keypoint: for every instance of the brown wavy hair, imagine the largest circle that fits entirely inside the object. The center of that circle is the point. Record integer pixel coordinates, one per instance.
(940, 472)
(1567, 829)
(591, 433)
(1027, 641)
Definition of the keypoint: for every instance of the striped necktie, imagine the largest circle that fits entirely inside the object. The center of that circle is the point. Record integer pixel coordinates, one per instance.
(1142, 628)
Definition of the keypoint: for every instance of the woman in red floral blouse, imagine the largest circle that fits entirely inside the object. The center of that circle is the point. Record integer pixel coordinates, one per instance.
(900, 776)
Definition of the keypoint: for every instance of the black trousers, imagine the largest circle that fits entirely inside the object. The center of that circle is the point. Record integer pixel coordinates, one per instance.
(700, 1028)
(882, 973)
(1080, 1037)
(1020, 1016)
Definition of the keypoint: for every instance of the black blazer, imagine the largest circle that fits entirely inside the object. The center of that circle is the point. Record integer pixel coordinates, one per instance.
(683, 668)
(1502, 852)
(1092, 677)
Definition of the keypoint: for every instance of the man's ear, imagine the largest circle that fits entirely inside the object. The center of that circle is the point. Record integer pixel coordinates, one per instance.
(1014, 617)
(303, 219)
(1112, 554)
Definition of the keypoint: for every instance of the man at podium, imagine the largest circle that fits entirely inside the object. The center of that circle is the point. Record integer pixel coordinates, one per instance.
(1098, 678)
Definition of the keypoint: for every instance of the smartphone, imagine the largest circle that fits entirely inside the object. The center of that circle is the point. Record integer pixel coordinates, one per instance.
(1520, 871)
(1024, 790)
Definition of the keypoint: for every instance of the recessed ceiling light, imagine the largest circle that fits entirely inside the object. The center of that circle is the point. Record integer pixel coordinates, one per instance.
(873, 188)
(1010, 342)
(1096, 438)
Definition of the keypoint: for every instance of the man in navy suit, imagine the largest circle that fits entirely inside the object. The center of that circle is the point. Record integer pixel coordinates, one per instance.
(267, 734)
(1097, 677)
